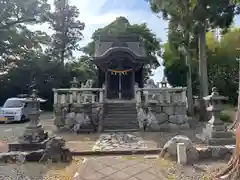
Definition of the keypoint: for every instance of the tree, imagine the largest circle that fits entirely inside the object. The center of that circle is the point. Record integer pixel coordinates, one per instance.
(182, 40)
(121, 25)
(221, 63)
(202, 15)
(67, 30)
(83, 68)
(15, 37)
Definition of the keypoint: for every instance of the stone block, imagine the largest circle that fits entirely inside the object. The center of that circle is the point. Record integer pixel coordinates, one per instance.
(171, 148)
(184, 126)
(169, 110)
(204, 153)
(181, 154)
(180, 109)
(17, 146)
(164, 126)
(192, 122)
(34, 156)
(221, 141)
(161, 118)
(178, 119)
(219, 151)
(173, 126)
(211, 127)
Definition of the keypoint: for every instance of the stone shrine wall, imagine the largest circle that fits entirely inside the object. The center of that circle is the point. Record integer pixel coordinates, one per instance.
(163, 108)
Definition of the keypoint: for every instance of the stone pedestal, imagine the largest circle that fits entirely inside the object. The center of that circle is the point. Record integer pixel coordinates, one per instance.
(216, 134)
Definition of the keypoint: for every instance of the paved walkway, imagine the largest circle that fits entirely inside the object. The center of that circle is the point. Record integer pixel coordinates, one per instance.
(119, 168)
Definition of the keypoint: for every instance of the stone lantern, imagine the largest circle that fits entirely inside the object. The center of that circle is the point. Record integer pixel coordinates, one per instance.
(215, 102)
(74, 83)
(164, 82)
(34, 136)
(215, 132)
(74, 95)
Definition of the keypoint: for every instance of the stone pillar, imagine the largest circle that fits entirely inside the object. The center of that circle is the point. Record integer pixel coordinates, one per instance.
(78, 97)
(70, 98)
(161, 98)
(101, 95)
(181, 153)
(138, 96)
(215, 132)
(167, 96)
(63, 99)
(146, 96)
(93, 98)
(55, 97)
(183, 96)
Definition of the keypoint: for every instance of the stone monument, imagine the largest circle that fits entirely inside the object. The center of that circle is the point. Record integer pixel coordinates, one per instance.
(215, 132)
(34, 137)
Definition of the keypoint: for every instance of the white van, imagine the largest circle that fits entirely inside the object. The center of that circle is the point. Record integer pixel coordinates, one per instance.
(16, 109)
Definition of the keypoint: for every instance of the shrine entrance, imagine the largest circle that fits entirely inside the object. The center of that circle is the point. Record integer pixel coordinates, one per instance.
(120, 84)
(118, 71)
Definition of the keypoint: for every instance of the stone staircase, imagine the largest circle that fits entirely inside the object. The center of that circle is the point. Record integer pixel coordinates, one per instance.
(120, 116)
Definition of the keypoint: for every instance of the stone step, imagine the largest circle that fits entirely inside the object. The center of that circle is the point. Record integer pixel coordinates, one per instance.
(120, 120)
(221, 141)
(222, 134)
(117, 124)
(121, 116)
(121, 104)
(121, 113)
(121, 110)
(122, 130)
(120, 127)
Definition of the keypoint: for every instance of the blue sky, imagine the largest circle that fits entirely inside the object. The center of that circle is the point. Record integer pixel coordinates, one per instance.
(99, 13)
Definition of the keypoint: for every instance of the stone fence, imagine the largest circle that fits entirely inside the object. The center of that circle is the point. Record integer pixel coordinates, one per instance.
(78, 109)
(78, 95)
(82, 107)
(162, 108)
(161, 95)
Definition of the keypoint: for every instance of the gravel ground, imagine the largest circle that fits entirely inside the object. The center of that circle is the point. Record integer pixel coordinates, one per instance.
(203, 170)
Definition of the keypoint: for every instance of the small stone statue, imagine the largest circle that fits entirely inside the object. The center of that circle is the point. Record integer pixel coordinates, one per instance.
(89, 83)
(104, 85)
(150, 84)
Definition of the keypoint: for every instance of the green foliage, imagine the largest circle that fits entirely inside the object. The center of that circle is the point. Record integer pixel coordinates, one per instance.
(23, 51)
(225, 116)
(221, 59)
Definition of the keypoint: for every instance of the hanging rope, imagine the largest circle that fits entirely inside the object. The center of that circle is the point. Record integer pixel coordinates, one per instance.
(119, 71)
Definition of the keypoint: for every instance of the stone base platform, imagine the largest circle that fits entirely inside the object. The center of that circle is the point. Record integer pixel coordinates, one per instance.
(17, 146)
(217, 134)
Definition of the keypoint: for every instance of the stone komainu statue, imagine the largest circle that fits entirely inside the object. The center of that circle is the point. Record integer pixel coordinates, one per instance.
(150, 84)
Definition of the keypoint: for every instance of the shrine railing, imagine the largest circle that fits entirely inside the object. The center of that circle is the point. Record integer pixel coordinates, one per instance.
(161, 95)
(78, 95)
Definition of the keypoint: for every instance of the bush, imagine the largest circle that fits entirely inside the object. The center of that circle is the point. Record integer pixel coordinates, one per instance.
(225, 116)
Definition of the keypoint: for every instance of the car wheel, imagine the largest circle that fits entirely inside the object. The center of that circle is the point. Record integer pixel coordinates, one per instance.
(23, 118)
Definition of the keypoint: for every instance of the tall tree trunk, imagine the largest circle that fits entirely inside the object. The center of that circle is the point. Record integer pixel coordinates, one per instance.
(203, 77)
(189, 78)
(238, 111)
(189, 86)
